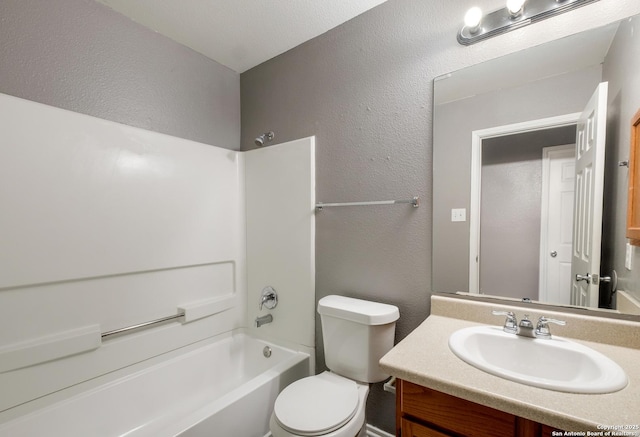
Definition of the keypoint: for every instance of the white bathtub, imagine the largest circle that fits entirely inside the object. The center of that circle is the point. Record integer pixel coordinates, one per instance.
(226, 387)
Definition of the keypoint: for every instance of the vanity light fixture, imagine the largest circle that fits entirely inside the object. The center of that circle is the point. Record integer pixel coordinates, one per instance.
(516, 14)
(515, 7)
(472, 20)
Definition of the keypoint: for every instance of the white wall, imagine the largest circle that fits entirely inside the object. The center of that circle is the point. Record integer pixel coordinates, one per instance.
(104, 226)
(280, 187)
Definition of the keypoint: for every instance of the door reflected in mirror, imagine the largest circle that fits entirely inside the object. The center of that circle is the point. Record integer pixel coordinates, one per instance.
(525, 177)
(524, 143)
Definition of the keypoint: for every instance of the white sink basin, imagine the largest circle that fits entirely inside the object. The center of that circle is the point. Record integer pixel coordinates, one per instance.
(555, 364)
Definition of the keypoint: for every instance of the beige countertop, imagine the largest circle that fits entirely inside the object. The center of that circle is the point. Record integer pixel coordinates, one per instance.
(424, 358)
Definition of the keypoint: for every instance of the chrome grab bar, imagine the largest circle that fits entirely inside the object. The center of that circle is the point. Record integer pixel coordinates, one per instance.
(188, 313)
(140, 325)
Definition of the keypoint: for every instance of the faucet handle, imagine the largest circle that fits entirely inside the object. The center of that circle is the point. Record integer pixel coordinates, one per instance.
(542, 328)
(511, 323)
(269, 298)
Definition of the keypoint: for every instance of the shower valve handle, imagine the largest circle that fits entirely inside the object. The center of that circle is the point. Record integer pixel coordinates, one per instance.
(269, 298)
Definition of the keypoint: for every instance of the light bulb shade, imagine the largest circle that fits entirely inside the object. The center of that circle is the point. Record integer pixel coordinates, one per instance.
(472, 18)
(515, 7)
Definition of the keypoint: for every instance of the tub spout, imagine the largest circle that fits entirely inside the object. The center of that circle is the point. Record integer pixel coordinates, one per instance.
(262, 320)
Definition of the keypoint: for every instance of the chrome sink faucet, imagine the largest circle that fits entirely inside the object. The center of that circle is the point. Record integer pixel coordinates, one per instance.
(525, 327)
(510, 323)
(542, 328)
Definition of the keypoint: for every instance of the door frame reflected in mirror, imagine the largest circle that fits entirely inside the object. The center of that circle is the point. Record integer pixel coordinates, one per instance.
(477, 137)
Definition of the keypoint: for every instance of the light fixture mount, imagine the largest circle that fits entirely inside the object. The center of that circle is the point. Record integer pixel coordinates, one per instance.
(502, 20)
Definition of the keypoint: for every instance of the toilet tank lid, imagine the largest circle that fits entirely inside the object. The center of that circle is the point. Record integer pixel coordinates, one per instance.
(358, 310)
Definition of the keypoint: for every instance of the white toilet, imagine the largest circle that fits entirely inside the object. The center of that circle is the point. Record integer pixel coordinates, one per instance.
(356, 333)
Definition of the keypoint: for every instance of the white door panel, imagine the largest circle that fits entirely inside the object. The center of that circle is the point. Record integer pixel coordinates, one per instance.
(590, 148)
(556, 235)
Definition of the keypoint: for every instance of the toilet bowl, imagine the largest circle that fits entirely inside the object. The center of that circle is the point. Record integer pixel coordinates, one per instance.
(326, 405)
(356, 333)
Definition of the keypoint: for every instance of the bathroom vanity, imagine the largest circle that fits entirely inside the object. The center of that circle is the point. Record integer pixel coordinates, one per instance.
(439, 394)
(423, 412)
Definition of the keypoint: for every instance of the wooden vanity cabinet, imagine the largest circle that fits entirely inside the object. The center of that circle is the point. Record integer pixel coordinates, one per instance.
(633, 196)
(422, 412)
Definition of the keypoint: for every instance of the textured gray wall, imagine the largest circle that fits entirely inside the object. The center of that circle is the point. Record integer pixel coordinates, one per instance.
(454, 122)
(82, 56)
(620, 69)
(365, 90)
(510, 211)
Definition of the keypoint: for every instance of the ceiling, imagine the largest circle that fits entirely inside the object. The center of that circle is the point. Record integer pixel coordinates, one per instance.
(241, 34)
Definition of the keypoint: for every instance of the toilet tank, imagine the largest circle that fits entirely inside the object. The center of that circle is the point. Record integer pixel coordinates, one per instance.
(356, 334)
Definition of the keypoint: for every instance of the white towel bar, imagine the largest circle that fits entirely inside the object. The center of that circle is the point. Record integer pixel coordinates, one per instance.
(415, 202)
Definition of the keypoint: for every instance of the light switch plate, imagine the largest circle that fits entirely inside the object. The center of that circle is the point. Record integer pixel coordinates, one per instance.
(628, 256)
(459, 215)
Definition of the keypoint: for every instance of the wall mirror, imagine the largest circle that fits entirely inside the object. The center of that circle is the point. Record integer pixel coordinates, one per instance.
(529, 199)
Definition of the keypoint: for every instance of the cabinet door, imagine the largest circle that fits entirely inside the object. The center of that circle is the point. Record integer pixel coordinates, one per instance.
(423, 412)
(633, 202)
(413, 429)
(454, 414)
(548, 431)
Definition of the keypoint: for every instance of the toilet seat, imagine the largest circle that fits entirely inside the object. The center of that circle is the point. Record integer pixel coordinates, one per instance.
(317, 405)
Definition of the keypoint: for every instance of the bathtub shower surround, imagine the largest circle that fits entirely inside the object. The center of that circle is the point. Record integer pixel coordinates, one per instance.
(106, 226)
(280, 199)
(202, 391)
